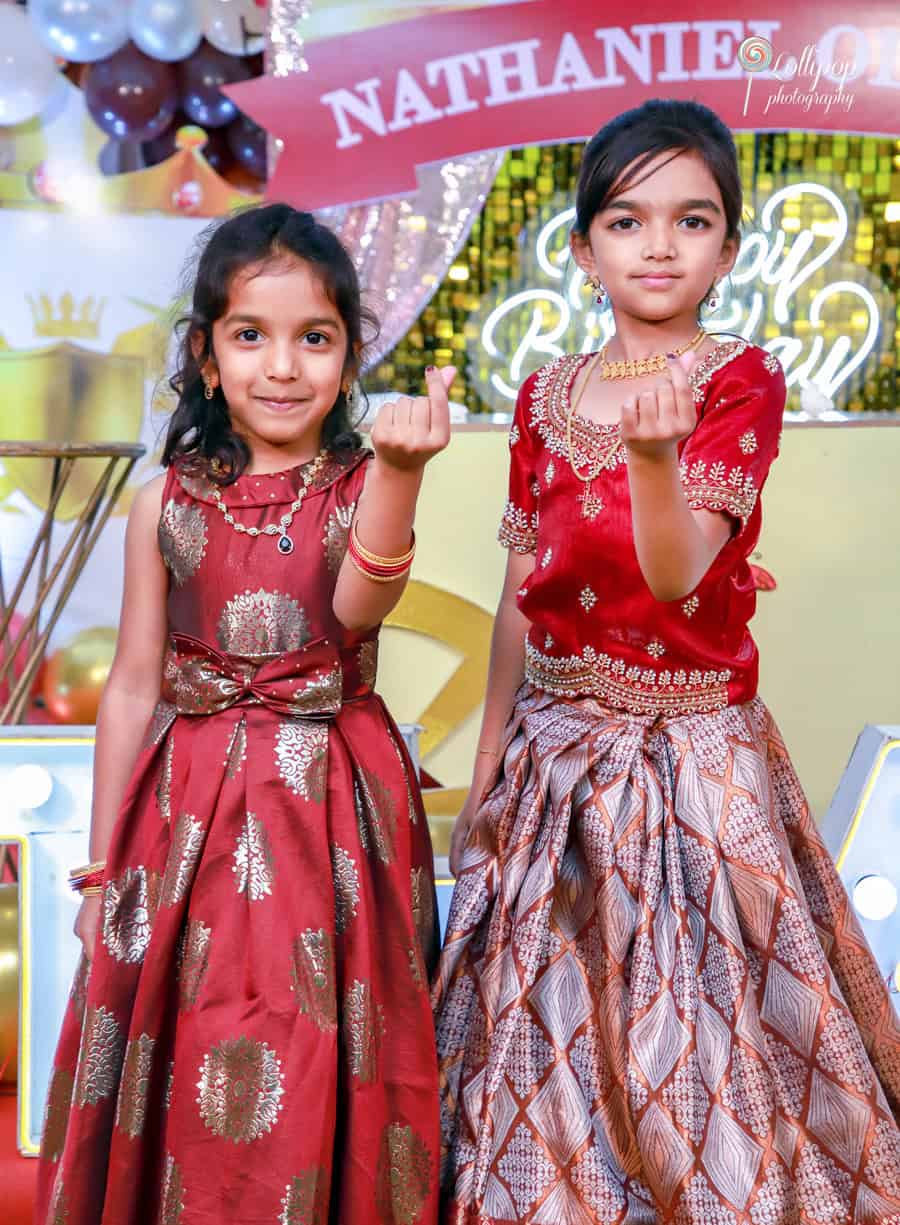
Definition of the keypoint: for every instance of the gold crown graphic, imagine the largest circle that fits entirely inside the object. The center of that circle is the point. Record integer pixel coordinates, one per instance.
(77, 322)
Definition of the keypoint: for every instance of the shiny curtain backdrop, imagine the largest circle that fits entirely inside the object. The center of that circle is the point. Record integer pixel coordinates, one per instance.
(402, 247)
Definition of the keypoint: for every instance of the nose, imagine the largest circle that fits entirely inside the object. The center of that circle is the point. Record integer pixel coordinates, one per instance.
(658, 241)
(282, 360)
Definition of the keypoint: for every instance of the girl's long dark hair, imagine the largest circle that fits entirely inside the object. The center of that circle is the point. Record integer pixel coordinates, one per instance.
(634, 138)
(200, 437)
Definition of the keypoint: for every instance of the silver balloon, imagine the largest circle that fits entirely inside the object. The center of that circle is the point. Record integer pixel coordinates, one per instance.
(28, 72)
(237, 27)
(167, 29)
(82, 31)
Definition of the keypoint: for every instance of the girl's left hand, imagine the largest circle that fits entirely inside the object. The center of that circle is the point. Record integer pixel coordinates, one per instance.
(408, 432)
(654, 422)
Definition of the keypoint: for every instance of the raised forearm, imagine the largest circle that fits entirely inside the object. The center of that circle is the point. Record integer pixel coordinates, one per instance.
(384, 523)
(673, 551)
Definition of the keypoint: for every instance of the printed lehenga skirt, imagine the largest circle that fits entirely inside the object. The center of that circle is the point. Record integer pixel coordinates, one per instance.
(655, 1003)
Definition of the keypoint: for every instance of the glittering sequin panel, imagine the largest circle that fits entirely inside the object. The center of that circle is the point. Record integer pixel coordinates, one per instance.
(240, 1089)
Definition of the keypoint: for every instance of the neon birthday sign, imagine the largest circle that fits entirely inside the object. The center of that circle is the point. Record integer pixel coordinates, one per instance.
(783, 272)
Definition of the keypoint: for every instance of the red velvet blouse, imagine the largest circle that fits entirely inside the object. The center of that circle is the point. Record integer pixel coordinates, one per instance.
(595, 626)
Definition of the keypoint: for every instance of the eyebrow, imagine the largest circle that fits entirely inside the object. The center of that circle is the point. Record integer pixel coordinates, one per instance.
(256, 321)
(686, 206)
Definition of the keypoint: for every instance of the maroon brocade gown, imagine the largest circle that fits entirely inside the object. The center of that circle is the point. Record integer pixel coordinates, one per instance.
(254, 1043)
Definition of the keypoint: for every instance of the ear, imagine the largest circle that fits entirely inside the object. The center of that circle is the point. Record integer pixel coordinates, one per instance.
(580, 246)
(727, 257)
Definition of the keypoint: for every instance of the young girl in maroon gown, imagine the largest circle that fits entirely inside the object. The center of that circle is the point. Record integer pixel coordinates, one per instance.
(654, 1003)
(253, 1042)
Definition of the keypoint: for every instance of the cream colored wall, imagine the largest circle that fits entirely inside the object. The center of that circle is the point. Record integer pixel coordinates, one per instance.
(828, 635)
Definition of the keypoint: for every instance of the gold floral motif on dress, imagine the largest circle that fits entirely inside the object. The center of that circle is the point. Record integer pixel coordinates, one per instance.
(640, 691)
(198, 485)
(337, 535)
(254, 863)
(368, 663)
(99, 1058)
(518, 529)
(656, 649)
(131, 1108)
(164, 782)
(748, 443)
(422, 894)
(404, 1175)
(193, 960)
(262, 622)
(363, 1031)
(322, 692)
(301, 751)
(715, 487)
(187, 842)
(376, 815)
(164, 715)
(80, 987)
(56, 1114)
(772, 364)
(128, 909)
(170, 1085)
(171, 1194)
(417, 969)
(305, 1199)
(236, 754)
(586, 599)
(514, 436)
(346, 887)
(182, 539)
(313, 978)
(241, 1085)
(58, 1213)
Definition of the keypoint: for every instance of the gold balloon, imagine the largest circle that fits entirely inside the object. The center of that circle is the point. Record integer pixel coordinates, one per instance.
(76, 674)
(9, 983)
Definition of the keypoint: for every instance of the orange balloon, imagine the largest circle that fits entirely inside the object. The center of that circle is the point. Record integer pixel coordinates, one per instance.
(75, 675)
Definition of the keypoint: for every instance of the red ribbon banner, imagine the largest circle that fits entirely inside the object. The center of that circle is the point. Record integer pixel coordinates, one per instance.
(378, 103)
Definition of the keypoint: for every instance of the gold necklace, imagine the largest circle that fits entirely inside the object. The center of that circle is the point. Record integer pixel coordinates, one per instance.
(591, 504)
(280, 529)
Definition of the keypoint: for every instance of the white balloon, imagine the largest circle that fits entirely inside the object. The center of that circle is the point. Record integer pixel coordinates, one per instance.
(28, 72)
(236, 27)
(82, 31)
(167, 29)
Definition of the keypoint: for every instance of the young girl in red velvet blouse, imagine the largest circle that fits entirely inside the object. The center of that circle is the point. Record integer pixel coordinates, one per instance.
(654, 1002)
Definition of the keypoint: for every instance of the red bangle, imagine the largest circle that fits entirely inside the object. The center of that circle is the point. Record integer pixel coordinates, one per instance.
(92, 880)
(378, 569)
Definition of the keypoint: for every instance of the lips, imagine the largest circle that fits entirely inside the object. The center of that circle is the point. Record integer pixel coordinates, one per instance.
(277, 405)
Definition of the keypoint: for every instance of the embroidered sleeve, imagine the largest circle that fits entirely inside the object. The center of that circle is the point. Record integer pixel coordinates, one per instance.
(726, 460)
(519, 525)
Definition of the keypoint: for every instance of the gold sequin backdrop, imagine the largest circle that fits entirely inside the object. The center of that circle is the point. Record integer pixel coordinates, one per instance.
(867, 168)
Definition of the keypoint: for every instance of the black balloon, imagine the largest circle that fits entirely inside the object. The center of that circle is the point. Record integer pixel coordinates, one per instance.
(200, 81)
(247, 142)
(130, 96)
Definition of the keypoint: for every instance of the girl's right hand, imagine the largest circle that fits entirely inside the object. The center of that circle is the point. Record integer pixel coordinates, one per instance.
(88, 923)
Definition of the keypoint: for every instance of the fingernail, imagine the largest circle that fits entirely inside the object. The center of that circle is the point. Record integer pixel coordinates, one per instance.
(429, 369)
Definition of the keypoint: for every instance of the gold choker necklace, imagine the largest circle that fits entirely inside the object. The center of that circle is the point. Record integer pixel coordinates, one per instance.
(635, 368)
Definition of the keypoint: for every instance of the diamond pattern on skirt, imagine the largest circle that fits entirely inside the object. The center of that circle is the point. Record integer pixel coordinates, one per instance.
(654, 1002)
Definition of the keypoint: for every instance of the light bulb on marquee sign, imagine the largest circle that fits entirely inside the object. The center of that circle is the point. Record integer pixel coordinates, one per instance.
(786, 280)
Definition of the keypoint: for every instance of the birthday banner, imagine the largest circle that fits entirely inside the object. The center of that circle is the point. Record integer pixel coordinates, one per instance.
(378, 103)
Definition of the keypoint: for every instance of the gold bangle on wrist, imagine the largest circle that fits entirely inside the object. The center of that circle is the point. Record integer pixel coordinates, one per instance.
(376, 559)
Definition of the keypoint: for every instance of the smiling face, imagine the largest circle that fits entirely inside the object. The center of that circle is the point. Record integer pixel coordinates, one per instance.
(280, 357)
(659, 245)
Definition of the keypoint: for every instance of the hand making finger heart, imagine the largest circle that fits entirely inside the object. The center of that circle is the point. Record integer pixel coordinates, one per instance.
(656, 420)
(410, 431)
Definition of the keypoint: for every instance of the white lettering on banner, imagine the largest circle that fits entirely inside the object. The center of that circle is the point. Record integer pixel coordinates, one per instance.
(778, 274)
(681, 50)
